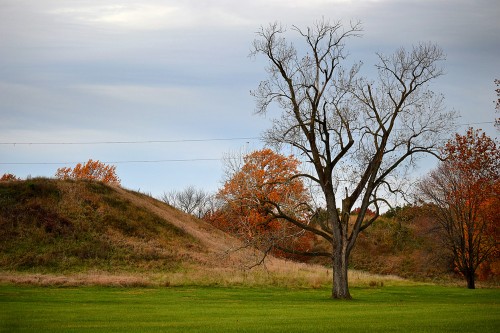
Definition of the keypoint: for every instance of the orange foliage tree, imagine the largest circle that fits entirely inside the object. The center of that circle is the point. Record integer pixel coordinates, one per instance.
(464, 194)
(255, 198)
(6, 177)
(92, 170)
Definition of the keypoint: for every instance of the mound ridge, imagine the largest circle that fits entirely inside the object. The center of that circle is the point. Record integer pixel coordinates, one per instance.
(55, 226)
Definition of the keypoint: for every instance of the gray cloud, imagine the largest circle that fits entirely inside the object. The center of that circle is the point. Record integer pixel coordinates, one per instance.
(126, 70)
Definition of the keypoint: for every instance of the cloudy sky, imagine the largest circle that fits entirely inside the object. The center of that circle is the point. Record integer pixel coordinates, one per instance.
(166, 78)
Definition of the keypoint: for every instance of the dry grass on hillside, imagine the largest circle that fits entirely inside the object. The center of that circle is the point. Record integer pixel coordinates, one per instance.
(135, 227)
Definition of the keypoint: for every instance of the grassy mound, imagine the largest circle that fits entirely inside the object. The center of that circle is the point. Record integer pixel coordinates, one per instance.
(72, 233)
(70, 226)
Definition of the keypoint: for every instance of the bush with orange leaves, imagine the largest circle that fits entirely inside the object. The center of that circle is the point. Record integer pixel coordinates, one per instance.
(7, 177)
(92, 170)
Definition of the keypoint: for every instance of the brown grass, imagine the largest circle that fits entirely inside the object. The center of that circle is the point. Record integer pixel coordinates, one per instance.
(276, 273)
(151, 244)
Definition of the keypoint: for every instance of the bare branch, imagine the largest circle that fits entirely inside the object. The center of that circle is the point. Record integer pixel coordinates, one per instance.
(356, 133)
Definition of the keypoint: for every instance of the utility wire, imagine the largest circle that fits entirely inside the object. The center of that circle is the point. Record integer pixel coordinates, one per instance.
(165, 141)
(127, 142)
(145, 142)
(478, 123)
(116, 162)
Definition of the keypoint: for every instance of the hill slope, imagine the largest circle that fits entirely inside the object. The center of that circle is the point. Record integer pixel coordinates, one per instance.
(66, 226)
(55, 232)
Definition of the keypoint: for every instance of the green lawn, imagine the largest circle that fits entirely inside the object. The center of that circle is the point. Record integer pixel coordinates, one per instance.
(197, 309)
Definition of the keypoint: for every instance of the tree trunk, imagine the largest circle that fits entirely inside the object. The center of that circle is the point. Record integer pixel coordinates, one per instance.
(340, 282)
(471, 280)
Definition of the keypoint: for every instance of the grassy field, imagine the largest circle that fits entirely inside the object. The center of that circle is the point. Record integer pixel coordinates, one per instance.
(211, 309)
(85, 257)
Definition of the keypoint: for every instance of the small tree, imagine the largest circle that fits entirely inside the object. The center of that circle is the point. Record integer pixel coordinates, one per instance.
(190, 200)
(464, 196)
(92, 170)
(355, 133)
(7, 177)
(252, 198)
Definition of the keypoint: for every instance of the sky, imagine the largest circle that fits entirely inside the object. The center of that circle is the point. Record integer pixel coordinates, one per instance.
(161, 89)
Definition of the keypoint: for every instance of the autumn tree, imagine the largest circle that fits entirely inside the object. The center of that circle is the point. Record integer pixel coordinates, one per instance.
(8, 177)
(464, 196)
(252, 196)
(190, 200)
(91, 170)
(357, 134)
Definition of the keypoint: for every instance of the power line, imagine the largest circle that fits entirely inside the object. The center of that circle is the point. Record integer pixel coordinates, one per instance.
(128, 142)
(479, 123)
(116, 162)
(166, 141)
(146, 142)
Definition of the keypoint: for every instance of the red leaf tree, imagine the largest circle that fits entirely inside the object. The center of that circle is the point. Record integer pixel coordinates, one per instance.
(464, 196)
(92, 170)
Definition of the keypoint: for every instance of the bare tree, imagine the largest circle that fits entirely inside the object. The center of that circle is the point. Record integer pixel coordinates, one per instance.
(190, 200)
(357, 134)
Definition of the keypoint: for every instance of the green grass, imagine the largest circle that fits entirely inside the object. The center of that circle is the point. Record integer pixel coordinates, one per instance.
(198, 309)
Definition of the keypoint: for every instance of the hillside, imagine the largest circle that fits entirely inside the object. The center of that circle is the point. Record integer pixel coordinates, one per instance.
(73, 226)
(81, 232)
(55, 232)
